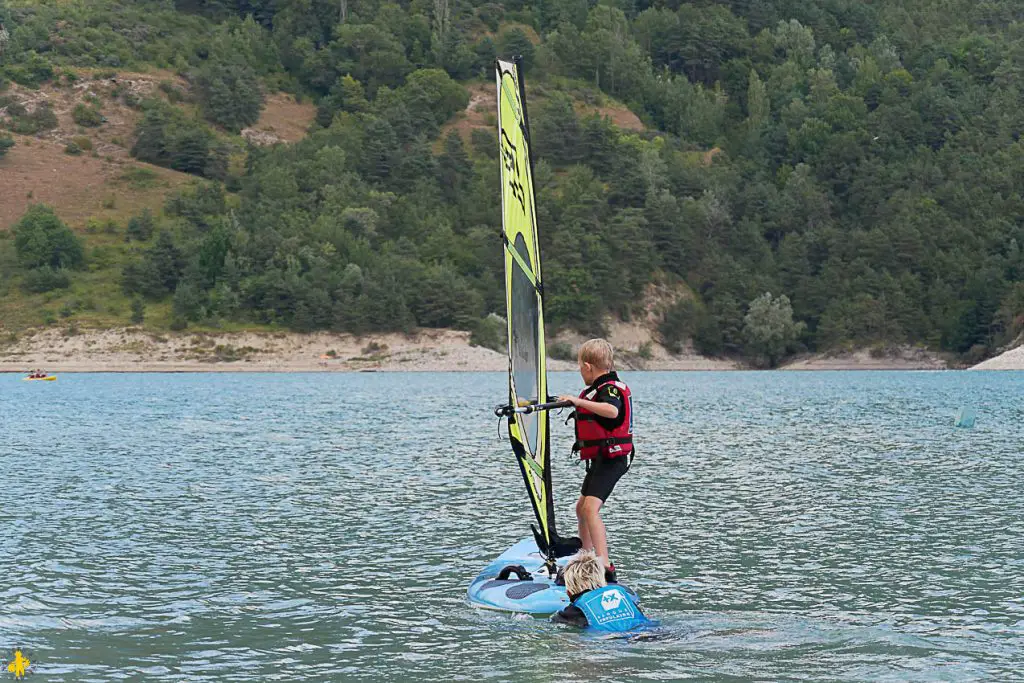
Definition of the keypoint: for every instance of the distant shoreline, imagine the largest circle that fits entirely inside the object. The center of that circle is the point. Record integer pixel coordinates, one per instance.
(138, 350)
(129, 350)
(904, 359)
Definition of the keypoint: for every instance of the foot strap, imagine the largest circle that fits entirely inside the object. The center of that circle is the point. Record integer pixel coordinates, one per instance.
(517, 569)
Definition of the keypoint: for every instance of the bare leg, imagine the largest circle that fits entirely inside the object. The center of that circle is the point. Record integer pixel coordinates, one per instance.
(581, 525)
(588, 511)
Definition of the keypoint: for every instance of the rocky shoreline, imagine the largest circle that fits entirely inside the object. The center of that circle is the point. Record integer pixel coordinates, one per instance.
(1008, 360)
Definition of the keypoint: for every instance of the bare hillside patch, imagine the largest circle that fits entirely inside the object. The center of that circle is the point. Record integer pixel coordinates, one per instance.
(111, 95)
(481, 112)
(620, 115)
(282, 120)
(78, 187)
(102, 180)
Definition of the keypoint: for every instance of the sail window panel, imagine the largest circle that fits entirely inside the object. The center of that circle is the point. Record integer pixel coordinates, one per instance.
(525, 342)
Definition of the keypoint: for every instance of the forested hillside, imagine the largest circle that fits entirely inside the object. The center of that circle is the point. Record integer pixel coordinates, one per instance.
(813, 174)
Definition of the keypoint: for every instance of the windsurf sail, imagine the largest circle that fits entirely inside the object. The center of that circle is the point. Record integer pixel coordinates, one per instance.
(528, 399)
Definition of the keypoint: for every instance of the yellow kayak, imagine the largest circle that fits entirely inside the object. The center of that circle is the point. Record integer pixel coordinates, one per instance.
(48, 378)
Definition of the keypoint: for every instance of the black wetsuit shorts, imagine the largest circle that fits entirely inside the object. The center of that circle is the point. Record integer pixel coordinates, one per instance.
(602, 475)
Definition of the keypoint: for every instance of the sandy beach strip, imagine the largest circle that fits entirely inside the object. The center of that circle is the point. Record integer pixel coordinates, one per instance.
(137, 350)
(427, 350)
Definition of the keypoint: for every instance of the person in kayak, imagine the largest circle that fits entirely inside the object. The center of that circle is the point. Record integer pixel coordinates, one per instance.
(595, 605)
(604, 440)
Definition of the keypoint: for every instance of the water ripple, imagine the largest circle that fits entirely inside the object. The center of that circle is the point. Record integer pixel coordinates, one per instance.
(272, 527)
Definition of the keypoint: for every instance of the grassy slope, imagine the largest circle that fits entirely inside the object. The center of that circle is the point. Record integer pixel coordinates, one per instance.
(107, 187)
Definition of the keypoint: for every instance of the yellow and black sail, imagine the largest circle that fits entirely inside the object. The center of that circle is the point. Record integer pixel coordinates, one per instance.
(528, 426)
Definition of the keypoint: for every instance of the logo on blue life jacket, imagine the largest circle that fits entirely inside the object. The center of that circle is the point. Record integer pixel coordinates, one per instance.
(615, 607)
(610, 609)
(611, 600)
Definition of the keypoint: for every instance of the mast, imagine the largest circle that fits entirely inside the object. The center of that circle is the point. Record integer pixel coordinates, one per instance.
(550, 504)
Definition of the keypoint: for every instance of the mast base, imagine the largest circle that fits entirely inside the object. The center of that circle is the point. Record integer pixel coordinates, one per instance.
(560, 547)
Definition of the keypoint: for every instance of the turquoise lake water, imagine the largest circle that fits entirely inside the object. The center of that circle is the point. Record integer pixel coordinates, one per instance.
(245, 527)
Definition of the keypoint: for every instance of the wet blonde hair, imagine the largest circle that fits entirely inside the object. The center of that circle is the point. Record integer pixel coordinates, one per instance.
(584, 572)
(598, 353)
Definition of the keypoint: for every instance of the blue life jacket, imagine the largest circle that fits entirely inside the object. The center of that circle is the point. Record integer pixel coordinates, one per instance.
(611, 608)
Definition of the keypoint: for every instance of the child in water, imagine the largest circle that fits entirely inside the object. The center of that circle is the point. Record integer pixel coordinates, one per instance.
(595, 604)
(604, 440)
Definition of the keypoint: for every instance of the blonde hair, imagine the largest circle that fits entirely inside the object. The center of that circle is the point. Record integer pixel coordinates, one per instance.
(584, 572)
(598, 353)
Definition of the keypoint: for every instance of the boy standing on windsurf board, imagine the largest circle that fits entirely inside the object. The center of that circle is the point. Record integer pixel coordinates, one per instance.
(604, 441)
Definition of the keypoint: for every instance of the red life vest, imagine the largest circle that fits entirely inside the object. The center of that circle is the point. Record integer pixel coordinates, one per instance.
(592, 439)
